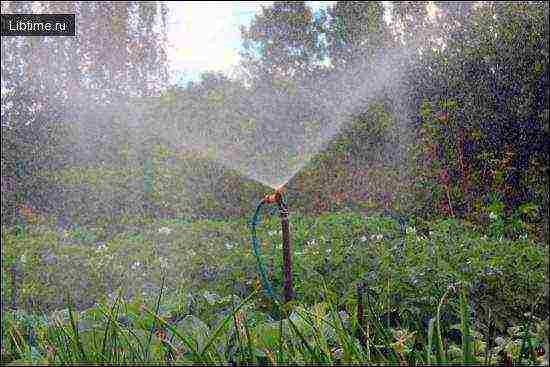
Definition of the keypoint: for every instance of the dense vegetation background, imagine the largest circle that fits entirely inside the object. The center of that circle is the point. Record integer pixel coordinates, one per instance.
(457, 146)
(464, 133)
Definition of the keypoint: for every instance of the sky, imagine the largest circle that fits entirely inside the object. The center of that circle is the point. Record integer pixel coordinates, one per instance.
(205, 36)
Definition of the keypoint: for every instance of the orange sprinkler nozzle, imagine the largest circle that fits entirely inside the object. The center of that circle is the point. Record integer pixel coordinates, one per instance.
(270, 199)
(273, 198)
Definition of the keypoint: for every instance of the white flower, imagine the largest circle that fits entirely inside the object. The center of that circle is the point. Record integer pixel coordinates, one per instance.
(376, 237)
(101, 248)
(23, 259)
(363, 238)
(210, 297)
(493, 216)
(165, 230)
(410, 230)
(228, 245)
(312, 242)
(329, 250)
(163, 263)
(192, 253)
(272, 233)
(136, 265)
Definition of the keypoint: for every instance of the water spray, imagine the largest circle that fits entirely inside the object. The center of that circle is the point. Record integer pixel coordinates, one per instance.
(276, 198)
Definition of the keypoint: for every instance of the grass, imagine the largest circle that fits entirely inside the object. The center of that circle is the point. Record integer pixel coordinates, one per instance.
(124, 333)
(444, 293)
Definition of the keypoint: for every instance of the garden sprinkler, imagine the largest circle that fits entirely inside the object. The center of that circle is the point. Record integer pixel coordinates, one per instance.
(278, 198)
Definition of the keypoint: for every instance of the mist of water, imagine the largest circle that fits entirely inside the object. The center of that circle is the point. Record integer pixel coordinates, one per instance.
(289, 126)
(269, 133)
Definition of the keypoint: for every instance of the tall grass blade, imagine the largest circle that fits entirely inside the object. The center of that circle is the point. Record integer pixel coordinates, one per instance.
(489, 338)
(304, 341)
(237, 335)
(338, 327)
(226, 321)
(104, 346)
(249, 342)
(17, 338)
(153, 327)
(429, 348)
(317, 334)
(382, 332)
(188, 343)
(117, 324)
(467, 356)
(439, 340)
(281, 343)
(67, 339)
(77, 339)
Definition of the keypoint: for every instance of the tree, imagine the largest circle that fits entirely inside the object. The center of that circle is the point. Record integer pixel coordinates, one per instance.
(98, 68)
(356, 32)
(485, 88)
(283, 40)
(411, 23)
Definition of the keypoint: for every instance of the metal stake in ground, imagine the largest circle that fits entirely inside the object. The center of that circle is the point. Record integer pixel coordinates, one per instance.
(288, 291)
(277, 197)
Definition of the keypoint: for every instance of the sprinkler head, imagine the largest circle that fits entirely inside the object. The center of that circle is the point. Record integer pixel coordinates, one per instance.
(275, 197)
(271, 199)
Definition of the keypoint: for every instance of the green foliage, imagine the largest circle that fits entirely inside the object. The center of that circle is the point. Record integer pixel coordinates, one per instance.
(480, 131)
(332, 249)
(285, 37)
(152, 331)
(356, 32)
(439, 289)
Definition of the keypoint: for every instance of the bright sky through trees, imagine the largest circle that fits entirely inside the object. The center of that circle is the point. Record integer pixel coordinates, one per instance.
(205, 36)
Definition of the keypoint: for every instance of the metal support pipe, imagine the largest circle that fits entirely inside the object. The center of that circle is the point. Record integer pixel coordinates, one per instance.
(288, 291)
(277, 197)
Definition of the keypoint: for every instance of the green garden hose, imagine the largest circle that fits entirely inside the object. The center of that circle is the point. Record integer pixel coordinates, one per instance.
(256, 251)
